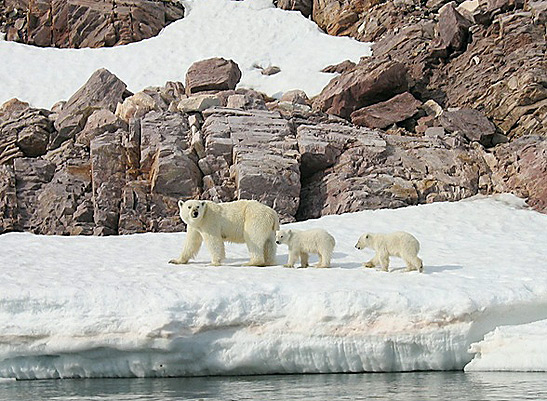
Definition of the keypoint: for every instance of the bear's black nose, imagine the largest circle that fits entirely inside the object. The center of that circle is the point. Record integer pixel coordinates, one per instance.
(195, 214)
(277, 242)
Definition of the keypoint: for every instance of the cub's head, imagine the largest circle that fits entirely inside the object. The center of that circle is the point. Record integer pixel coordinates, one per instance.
(283, 236)
(191, 210)
(364, 241)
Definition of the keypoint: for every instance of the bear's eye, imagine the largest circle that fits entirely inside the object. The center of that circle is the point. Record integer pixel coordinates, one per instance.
(189, 207)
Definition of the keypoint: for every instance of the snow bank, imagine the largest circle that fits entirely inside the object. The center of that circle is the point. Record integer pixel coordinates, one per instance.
(113, 306)
(513, 348)
(250, 32)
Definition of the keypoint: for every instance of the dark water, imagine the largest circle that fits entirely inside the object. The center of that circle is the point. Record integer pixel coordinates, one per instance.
(442, 386)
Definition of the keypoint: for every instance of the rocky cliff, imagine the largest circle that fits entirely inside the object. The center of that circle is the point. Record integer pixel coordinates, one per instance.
(111, 162)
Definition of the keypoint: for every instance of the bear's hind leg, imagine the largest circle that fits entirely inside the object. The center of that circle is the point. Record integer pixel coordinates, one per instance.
(256, 251)
(270, 250)
(414, 263)
(325, 258)
(215, 245)
(304, 257)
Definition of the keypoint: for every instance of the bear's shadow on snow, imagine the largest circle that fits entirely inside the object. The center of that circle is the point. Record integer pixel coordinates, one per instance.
(428, 269)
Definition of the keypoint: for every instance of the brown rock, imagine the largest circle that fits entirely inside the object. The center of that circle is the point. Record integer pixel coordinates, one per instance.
(103, 90)
(453, 29)
(101, 121)
(382, 115)
(340, 68)
(212, 74)
(351, 91)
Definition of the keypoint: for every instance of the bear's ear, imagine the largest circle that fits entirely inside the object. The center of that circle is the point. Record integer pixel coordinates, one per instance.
(181, 204)
(202, 203)
(367, 236)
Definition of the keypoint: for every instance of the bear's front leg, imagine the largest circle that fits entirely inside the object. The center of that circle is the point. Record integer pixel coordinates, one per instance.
(371, 263)
(293, 258)
(215, 245)
(190, 248)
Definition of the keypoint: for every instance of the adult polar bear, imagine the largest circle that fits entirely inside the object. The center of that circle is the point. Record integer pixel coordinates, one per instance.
(242, 221)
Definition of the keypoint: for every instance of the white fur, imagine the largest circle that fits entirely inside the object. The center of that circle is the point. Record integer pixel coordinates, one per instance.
(301, 243)
(400, 244)
(242, 221)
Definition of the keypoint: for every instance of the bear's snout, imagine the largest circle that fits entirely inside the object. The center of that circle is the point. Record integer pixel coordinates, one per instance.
(195, 214)
(278, 243)
(357, 246)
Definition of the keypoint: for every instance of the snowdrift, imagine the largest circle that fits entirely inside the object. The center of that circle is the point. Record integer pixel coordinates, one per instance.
(252, 33)
(114, 307)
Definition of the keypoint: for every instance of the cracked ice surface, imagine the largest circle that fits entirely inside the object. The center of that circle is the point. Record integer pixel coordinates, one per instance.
(113, 306)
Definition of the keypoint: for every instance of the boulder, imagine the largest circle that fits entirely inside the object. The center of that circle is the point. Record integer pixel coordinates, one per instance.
(99, 122)
(136, 106)
(198, 103)
(384, 114)
(453, 29)
(472, 124)
(212, 74)
(362, 87)
(103, 90)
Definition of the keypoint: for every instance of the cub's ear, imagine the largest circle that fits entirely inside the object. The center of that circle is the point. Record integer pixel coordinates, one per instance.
(181, 204)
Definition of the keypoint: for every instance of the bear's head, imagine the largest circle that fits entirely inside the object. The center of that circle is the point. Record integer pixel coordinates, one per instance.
(363, 241)
(283, 236)
(191, 211)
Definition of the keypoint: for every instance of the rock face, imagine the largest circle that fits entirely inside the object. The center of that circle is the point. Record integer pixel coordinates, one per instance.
(353, 169)
(109, 163)
(304, 6)
(80, 23)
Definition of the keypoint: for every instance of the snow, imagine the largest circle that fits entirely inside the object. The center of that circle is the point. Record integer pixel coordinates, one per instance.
(250, 32)
(513, 348)
(113, 306)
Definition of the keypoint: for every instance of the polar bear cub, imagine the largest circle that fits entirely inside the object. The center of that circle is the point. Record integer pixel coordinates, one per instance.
(302, 243)
(400, 244)
(242, 221)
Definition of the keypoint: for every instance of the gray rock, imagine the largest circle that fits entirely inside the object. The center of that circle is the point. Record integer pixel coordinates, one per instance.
(251, 155)
(108, 178)
(8, 199)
